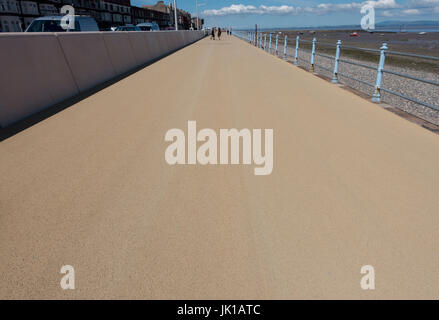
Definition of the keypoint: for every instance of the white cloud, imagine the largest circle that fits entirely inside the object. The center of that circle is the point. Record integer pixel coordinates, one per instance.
(411, 11)
(236, 9)
(233, 9)
(279, 10)
(385, 8)
(423, 3)
(383, 4)
(387, 13)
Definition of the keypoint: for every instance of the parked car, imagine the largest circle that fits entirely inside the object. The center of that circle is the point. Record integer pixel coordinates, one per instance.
(53, 24)
(128, 28)
(148, 26)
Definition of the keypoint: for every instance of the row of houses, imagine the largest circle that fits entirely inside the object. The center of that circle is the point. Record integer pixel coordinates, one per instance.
(16, 15)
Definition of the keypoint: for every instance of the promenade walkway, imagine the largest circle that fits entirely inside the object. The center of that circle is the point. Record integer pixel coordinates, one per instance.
(352, 185)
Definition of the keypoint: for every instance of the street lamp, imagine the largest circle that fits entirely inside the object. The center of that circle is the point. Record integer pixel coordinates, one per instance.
(175, 15)
(198, 17)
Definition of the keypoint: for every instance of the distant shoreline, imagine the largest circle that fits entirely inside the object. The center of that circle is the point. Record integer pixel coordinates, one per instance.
(397, 28)
(386, 30)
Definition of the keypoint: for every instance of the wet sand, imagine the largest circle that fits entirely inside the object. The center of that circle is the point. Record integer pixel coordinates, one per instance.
(411, 42)
(426, 44)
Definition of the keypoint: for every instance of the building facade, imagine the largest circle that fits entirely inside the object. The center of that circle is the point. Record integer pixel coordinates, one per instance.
(197, 23)
(167, 19)
(161, 14)
(10, 12)
(146, 14)
(17, 15)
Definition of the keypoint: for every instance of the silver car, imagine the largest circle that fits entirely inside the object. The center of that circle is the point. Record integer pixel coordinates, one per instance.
(53, 24)
(127, 28)
(148, 26)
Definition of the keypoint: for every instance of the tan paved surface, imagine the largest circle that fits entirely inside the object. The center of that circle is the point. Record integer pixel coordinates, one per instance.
(352, 185)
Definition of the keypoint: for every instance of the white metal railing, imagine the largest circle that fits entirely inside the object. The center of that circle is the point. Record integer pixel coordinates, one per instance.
(260, 41)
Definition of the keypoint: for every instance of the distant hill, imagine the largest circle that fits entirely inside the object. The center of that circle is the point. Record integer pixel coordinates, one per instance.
(423, 23)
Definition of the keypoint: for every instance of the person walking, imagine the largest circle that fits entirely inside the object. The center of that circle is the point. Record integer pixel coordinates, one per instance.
(219, 33)
(212, 35)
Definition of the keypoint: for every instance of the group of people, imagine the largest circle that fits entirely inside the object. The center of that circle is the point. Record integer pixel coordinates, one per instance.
(218, 32)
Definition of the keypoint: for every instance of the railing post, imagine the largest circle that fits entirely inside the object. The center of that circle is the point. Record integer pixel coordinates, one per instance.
(296, 55)
(376, 97)
(265, 41)
(260, 40)
(269, 46)
(285, 47)
(277, 43)
(337, 59)
(313, 53)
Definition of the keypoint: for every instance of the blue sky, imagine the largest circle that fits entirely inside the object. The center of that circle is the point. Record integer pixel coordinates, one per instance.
(300, 13)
